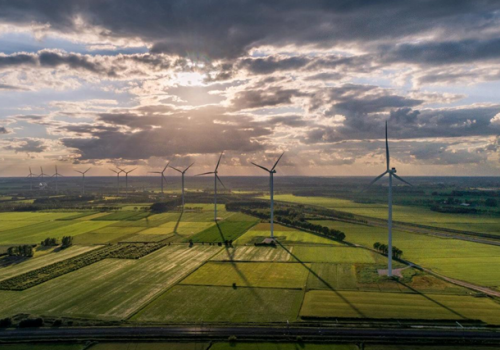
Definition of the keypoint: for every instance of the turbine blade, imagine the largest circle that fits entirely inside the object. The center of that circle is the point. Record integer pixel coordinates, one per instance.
(188, 167)
(176, 169)
(130, 171)
(277, 161)
(78, 171)
(210, 172)
(257, 165)
(402, 180)
(87, 170)
(166, 166)
(375, 180)
(154, 172)
(121, 169)
(220, 157)
(114, 171)
(218, 178)
(163, 176)
(387, 148)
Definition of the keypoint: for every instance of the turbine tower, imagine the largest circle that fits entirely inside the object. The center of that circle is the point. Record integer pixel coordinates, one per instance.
(57, 175)
(117, 180)
(42, 174)
(126, 179)
(392, 173)
(271, 187)
(182, 173)
(162, 175)
(83, 179)
(31, 176)
(216, 177)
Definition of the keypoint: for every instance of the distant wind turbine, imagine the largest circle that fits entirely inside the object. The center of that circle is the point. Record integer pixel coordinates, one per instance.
(162, 175)
(216, 177)
(83, 179)
(57, 176)
(271, 185)
(182, 173)
(126, 179)
(42, 174)
(391, 172)
(117, 180)
(31, 176)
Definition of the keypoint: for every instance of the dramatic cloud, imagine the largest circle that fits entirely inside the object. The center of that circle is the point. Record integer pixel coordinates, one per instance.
(134, 82)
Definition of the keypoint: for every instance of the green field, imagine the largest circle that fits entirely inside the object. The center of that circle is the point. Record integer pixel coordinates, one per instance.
(410, 214)
(226, 230)
(195, 304)
(284, 235)
(36, 232)
(468, 261)
(31, 346)
(348, 255)
(247, 274)
(347, 304)
(14, 266)
(109, 289)
(255, 253)
(150, 346)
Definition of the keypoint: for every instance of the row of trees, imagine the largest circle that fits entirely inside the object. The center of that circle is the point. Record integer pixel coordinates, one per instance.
(22, 250)
(49, 242)
(384, 249)
(67, 241)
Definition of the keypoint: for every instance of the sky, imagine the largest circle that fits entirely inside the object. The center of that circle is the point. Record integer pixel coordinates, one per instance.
(92, 83)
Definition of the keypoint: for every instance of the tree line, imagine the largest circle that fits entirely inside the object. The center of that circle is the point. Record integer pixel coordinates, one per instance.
(384, 249)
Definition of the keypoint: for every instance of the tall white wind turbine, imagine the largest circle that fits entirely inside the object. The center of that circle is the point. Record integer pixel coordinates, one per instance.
(83, 179)
(117, 180)
(216, 178)
(126, 179)
(271, 189)
(31, 176)
(57, 176)
(182, 173)
(392, 173)
(162, 175)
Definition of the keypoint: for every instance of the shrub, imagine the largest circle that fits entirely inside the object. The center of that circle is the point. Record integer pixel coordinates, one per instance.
(31, 322)
(5, 322)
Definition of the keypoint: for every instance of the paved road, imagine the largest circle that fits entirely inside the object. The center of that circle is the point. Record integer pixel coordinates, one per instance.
(345, 334)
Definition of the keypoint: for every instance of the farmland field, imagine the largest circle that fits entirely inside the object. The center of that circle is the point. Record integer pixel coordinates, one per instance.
(15, 266)
(36, 232)
(411, 214)
(253, 253)
(468, 261)
(194, 304)
(284, 235)
(150, 346)
(226, 230)
(111, 288)
(399, 305)
(281, 346)
(250, 274)
(336, 255)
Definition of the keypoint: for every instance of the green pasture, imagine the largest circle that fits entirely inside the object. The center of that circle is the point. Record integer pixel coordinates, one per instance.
(43, 346)
(469, 261)
(123, 215)
(108, 289)
(36, 232)
(343, 254)
(225, 230)
(142, 238)
(196, 304)
(350, 304)
(250, 274)
(151, 346)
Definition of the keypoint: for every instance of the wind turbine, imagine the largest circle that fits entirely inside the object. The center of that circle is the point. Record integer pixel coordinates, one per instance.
(271, 185)
(216, 177)
(83, 179)
(117, 180)
(162, 175)
(182, 173)
(56, 175)
(42, 174)
(126, 179)
(392, 173)
(31, 176)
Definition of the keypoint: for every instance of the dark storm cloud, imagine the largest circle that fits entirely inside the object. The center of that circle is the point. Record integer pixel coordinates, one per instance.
(266, 97)
(439, 53)
(26, 145)
(3, 130)
(206, 130)
(228, 28)
(272, 64)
